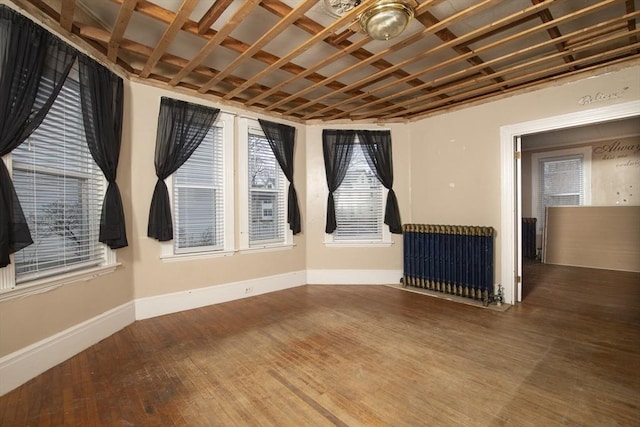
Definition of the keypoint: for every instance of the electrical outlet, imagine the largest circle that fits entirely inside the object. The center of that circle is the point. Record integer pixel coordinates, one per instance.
(248, 290)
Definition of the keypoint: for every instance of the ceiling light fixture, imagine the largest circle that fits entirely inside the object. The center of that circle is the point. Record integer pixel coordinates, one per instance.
(386, 19)
(382, 20)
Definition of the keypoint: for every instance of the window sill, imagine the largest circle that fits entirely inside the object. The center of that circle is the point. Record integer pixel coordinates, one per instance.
(267, 248)
(358, 244)
(38, 286)
(195, 256)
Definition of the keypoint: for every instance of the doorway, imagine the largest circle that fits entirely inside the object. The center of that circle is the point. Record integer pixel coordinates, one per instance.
(511, 206)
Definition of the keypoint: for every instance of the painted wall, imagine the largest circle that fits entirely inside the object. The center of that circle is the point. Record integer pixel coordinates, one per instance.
(152, 276)
(321, 257)
(615, 172)
(29, 319)
(447, 170)
(456, 158)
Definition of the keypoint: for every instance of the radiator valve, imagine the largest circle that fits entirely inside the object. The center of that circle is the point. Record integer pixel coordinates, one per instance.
(499, 298)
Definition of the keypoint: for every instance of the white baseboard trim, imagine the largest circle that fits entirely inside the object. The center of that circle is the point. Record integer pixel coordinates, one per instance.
(19, 367)
(194, 298)
(353, 277)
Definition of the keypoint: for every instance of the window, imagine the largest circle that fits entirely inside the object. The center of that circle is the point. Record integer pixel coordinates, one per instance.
(264, 211)
(560, 178)
(203, 195)
(359, 203)
(60, 188)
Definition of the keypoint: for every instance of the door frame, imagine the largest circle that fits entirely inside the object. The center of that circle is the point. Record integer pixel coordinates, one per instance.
(511, 174)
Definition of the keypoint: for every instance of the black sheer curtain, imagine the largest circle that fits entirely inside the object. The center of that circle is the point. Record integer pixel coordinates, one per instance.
(281, 140)
(101, 93)
(337, 146)
(181, 128)
(376, 147)
(33, 67)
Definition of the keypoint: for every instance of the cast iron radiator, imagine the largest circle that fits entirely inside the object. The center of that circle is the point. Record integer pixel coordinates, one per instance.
(529, 238)
(454, 259)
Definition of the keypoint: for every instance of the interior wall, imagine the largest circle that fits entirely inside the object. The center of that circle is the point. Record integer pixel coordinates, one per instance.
(28, 319)
(456, 157)
(615, 172)
(446, 167)
(323, 257)
(614, 166)
(606, 237)
(153, 276)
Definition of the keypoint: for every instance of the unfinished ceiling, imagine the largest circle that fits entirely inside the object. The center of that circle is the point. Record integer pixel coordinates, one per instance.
(295, 60)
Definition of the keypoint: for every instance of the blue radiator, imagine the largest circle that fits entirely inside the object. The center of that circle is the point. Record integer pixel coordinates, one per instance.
(453, 259)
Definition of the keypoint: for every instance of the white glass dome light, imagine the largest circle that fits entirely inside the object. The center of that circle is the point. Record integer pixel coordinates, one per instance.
(386, 19)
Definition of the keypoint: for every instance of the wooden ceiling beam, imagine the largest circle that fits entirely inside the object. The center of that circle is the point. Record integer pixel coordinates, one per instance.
(328, 60)
(588, 34)
(211, 16)
(166, 16)
(554, 32)
(500, 58)
(612, 26)
(183, 13)
(237, 18)
(630, 7)
(340, 41)
(100, 35)
(428, 86)
(446, 45)
(528, 77)
(502, 29)
(394, 48)
(336, 25)
(446, 35)
(122, 21)
(67, 8)
(520, 87)
(282, 25)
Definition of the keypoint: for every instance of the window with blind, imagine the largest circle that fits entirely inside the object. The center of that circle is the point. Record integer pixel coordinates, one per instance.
(201, 199)
(264, 200)
(61, 189)
(359, 203)
(563, 179)
(266, 192)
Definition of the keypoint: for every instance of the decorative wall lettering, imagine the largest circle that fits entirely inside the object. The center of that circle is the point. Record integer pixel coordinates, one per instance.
(616, 147)
(602, 96)
(616, 168)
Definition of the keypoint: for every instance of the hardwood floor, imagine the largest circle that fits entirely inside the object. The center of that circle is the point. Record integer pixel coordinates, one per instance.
(362, 356)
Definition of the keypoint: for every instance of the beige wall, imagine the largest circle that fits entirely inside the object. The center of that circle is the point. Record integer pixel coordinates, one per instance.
(323, 257)
(605, 237)
(447, 170)
(615, 172)
(29, 319)
(152, 276)
(456, 158)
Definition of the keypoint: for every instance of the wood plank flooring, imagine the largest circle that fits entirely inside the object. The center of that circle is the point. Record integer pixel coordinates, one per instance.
(362, 356)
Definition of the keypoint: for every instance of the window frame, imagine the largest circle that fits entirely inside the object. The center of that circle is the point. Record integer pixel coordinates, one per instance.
(245, 125)
(168, 252)
(536, 162)
(11, 287)
(385, 237)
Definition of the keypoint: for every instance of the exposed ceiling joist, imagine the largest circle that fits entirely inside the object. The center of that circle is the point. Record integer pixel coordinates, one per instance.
(292, 59)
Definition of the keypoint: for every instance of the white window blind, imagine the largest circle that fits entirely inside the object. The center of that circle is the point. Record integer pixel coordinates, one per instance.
(266, 187)
(561, 183)
(61, 190)
(359, 202)
(198, 196)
